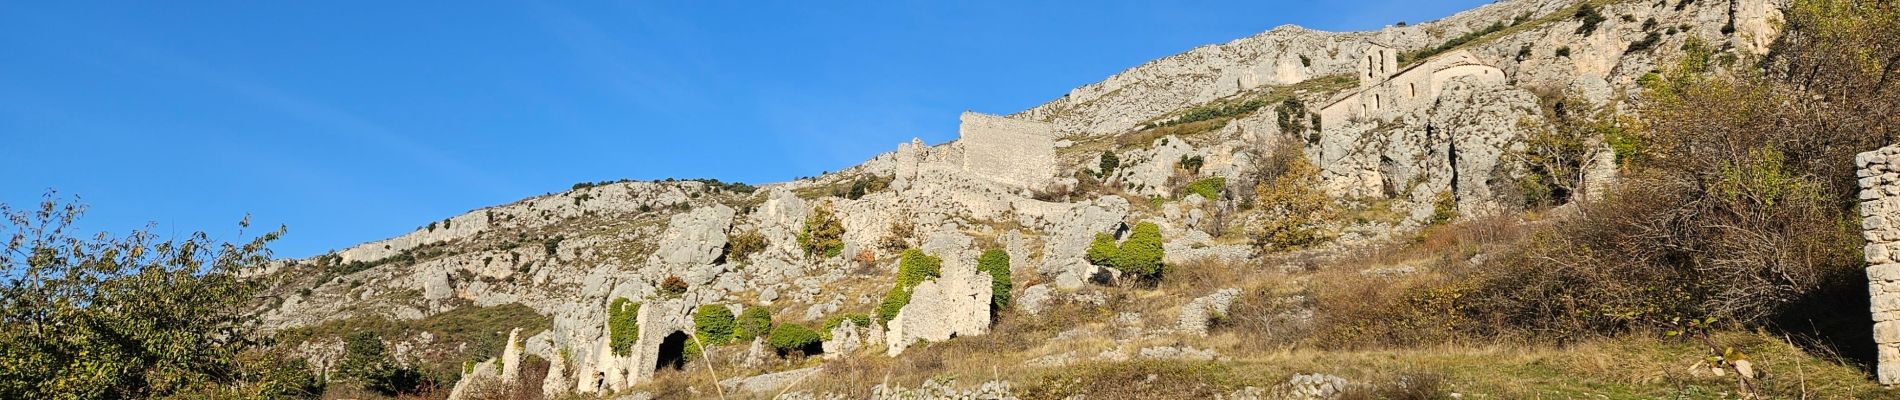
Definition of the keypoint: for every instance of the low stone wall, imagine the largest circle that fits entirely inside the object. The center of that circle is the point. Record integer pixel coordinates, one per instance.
(1880, 224)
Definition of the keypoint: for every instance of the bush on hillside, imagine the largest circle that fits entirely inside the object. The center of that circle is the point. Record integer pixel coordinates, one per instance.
(1102, 250)
(714, 324)
(794, 338)
(996, 263)
(741, 246)
(1590, 17)
(1141, 254)
(754, 322)
(1208, 188)
(823, 234)
(1291, 199)
(672, 286)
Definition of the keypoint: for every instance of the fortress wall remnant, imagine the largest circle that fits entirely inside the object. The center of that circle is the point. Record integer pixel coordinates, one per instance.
(1008, 150)
(1880, 224)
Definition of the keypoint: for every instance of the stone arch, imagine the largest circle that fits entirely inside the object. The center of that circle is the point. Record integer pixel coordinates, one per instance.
(672, 351)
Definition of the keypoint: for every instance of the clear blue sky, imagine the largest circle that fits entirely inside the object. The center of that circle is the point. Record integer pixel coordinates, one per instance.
(355, 121)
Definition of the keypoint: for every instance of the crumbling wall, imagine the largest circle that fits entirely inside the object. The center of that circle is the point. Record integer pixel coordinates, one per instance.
(1880, 224)
(1012, 151)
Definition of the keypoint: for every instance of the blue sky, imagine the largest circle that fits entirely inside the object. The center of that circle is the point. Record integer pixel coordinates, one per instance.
(354, 121)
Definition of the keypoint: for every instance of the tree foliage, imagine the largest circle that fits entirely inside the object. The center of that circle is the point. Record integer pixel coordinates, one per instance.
(1739, 204)
(130, 316)
(823, 234)
(1291, 199)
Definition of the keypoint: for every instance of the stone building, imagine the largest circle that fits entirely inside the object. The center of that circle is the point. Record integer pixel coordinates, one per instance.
(1012, 151)
(1385, 89)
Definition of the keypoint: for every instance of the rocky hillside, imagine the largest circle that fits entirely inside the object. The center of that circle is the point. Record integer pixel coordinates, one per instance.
(1196, 207)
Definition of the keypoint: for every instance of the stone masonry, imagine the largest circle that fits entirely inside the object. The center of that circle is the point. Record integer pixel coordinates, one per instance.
(1880, 223)
(1008, 150)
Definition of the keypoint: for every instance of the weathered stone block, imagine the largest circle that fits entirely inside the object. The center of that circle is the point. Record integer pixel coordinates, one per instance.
(1885, 302)
(1887, 332)
(1876, 253)
(1884, 272)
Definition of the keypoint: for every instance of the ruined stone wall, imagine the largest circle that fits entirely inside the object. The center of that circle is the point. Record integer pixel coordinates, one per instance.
(1012, 151)
(1880, 224)
(1385, 92)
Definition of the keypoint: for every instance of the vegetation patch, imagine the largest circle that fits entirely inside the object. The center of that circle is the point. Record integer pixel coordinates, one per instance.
(623, 325)
(794, 338)
(915, 267)
(754, 322)
(1209, 188)
(823, 234)
(996, 263)
(714, 324)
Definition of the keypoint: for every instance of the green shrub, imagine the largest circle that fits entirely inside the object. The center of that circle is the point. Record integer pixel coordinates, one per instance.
(1208, 188)
(914, 268)
(754, 322)
(714, 324)
(1444, 209)
(363, 356)
(1191, 164)
(823, 234)
(1102, 250)
(894, 301)
(741, 246)
(1590, 17)
(1109, 163)
(1141, 254)
(793, 337)
(552, 245)
(1294, 206)
(1647, 42)
(996, 262)
(623, 325)
(1290, 114)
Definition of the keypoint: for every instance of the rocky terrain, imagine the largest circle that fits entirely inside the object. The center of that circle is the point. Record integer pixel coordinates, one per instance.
(606, 289)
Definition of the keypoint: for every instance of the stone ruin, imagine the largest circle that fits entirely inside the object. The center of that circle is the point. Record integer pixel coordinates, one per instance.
(1880, 224)
(1012, 151)
(1385, 89)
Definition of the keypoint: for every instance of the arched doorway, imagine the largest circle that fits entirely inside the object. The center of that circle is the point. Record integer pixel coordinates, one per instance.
(672, 351)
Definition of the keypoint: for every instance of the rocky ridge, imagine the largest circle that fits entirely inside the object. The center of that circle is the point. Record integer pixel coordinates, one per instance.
(568, 256)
